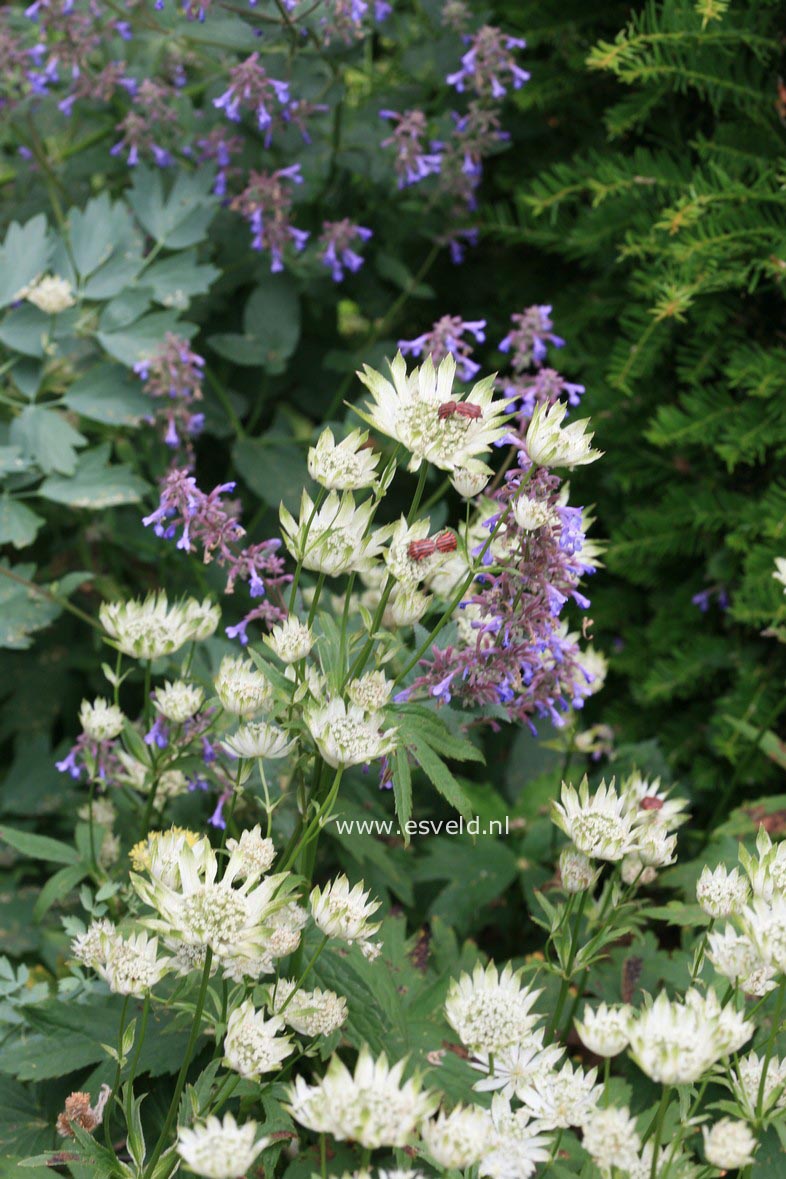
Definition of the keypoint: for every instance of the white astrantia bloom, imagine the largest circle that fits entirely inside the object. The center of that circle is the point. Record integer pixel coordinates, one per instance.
(577, 871)
(548, 444)
(611, 1139)
(747, 1084)
(405, 607)
(241, 688)
(347, 735)
(130, 965)
(458, 1139)
(159, 853)
(562, 1099)
(767, 870)
(511, 1070)
(101, 721)
(311, 1013)
(677, 1042)
(780, 571)
(259, 740)
(655, 847)
(467, 483)
(633, 870)
(604, 1030)
(729, 1145)
(532, 514)
(720, 892)
(601, 825)
(178, 701)
(284, 932)
(371, 692)
(91, 947)
(421, 411)
(736, 957)
(253, 853)
(654, 804)
(50, 294)
(187, 958)
(254, 1044)
(343, 466)
(490, 1010)
(517, 1143)
(334, 538)
(407, 570)
(374, 1106)
(220, 1149)
(764, 923)
(202, 910)
(137, 774)
(345, 913)
(151, 629)
(291, 640)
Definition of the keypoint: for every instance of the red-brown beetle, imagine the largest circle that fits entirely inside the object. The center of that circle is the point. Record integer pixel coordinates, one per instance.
(418, 550)
(446, 542)
(648, 803)
(446, 410)
(468, 409)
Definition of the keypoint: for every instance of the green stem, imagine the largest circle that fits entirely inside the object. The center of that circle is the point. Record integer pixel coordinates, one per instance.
(138, 1047)
(118, 1070)
(304, 975)
(42, 592)
(181, 1076)
(573, 951)
(774, 1030)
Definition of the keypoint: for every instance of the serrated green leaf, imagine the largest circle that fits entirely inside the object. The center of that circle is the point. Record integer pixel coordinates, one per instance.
(96, 483)
(439, 775)
(402, 790)
(47, 439)
(24, 255)
(19, 524)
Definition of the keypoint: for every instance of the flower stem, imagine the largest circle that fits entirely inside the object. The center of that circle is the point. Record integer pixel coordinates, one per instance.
(774, 1030)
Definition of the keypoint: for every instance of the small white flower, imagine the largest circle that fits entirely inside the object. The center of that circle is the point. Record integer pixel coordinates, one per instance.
(343, 466)
(151, 629)
(202, 618)
(633, 870)
(311, 1013)
(468, 484)
(407, 570)
(610, 1137)
(253, 1044)
(178, 701)
(764, 923)
(104, 813)
(548, 445)
(605, 1030)
(259, 740)
(373, 1106)
(220, 1149)
(251, 854)
(241, 688)
(131, 966)
(291, 640)
(678, 1042)
(513, 1069)
(720, 892)
(577, 871)
(50, 294)
(371, 692)
(532, 514)
(516, 1146)
(736, 958)
(333, 539)
(414, 409)
(100, 720)
(406, 606)
(562, 1099)
(729, 1145)
(343, 912)
(348, 736)
(653, 804)
(601, 825)
(654, 846)
(490, 1010)
(767, 871)
(458, 1139)
(748, 1083)
(91, 947)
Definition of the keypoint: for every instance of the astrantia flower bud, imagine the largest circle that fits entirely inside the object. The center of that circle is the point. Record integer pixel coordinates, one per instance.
(178, 701)
(50, 294)
(577, 871)
(241, 688)
(548, 445)
(457, 1140)
(253, 1045)
(729, 1145)
(469, 483)
(220, 1149)
(100, 720)
(720, 892)
(344, 913)
(605, 1030)
(406, 607)
(611, 1139)
(343, 466)
(634, 871)
(748, 1083)
(259, 740)
(291, 640)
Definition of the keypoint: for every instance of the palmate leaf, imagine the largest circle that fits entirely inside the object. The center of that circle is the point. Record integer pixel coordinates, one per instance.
(423, 735)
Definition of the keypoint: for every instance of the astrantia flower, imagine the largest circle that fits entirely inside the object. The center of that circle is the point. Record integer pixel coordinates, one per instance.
(405, 607)
(374, 1107)
(343, 466)
(764, 923)
(291, 640)
(457, 1140)
(100, 720)
(332, 539)
(152, 628)
(259, 740)
(516, 1145)
(469, 483)
(346, 735)
(767, 870)
(253, 1044)
(600, 825)
(576, 870)
(490, 1010)
(605, 1030)
(562, 1099)
(736, 957)
(421, 411)
(371, 692)
(252, 854)
(729, 1145)
(220, 1149)
(513, 1069)
(241, 688)
(90, 947)
(549, 445)
(531, 514)
(720, 892)
(611, 1139)
(748, 1083)
(344, 913)
(677, 1042)
(178, 701)
(130, 965)
(51, 294)
(311, 1013)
